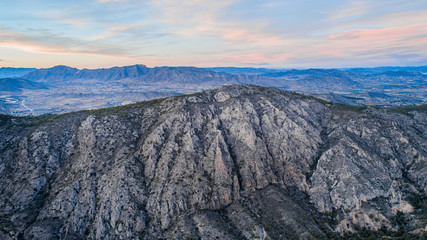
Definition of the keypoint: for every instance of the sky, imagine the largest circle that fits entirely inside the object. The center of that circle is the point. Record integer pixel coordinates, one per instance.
(213, 33)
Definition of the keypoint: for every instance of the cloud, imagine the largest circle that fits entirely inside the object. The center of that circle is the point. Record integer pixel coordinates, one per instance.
(120, 28)
(345, 35)
(201, 32)
(49, 43)
(75, 21)
(249, 41)
(257, 64)
(385, 35)
(380, 43)
(206, 19)
(272, 4)
(354, 9)
(381, 18)
(111, 1)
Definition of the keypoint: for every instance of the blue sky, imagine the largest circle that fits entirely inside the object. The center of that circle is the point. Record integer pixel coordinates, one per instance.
(203, 33)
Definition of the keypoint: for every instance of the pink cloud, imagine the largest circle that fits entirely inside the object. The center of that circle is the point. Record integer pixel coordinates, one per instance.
(365, 40)
(247, 35)
(354, 9)
(59, 46)
(257, 57)
(401, 32)
(111, 1)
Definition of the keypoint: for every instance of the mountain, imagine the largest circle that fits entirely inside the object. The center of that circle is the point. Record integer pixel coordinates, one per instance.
(16, 84)
(174, 75)
(65, 73)
(366, 71)
(247, 70)
(316, 78)
(72, 89)
(375, 70)
(236, 162)
(388, 88)
(395, 79)
(401, 74)
(8, 72)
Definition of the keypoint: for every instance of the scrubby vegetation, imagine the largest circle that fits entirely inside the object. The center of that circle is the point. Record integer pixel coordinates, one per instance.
(366, 234)
(407, 109)
(348, 107)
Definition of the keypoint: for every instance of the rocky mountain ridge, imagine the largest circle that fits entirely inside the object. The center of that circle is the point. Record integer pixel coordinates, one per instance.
(140, 73)
(238, 162)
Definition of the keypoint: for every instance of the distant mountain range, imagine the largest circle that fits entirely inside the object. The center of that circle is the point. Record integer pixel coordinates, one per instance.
(141, 73)
(63, 88)
(422, 69)
(65, 73)
(257, 71)
(248, 71)
(8, 72)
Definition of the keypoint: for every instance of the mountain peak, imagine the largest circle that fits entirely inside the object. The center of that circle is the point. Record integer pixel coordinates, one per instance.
(60, 67)
(227, 163)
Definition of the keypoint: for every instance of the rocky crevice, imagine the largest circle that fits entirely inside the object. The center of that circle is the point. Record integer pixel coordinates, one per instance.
(210, 165)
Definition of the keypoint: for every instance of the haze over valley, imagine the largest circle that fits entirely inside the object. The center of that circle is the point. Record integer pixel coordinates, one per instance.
(63, 89)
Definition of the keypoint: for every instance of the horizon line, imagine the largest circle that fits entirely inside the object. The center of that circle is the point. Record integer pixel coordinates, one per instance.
(207, 67)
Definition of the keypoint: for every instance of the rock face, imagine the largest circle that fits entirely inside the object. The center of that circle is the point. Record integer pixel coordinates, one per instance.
(238, 162)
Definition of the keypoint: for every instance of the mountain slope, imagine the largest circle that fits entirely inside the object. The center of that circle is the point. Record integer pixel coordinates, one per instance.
(238, 162)
(65, 73)
(16, 84)
(9, 72)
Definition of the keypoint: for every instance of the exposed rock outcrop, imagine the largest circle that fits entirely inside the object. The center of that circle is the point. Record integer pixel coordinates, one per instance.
(238, 162)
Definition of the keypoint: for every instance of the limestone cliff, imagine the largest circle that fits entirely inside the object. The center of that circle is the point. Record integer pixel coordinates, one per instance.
(238, 162)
